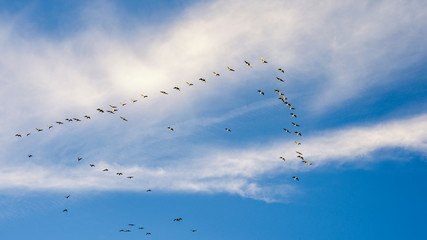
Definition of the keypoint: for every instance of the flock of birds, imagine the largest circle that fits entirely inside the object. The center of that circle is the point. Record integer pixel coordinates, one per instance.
(114, 108)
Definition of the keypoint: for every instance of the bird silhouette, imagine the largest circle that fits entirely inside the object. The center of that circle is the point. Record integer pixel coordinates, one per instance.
(282, 158)
(280, 80)
(189, 84)
(286, 130)
(60, 123)
(92, 165)
(227, 129)
(100, 110)
(261, 92)
(164, 92)
(67, 196)
(18, 135)
(119, 173)
(133, 100)
(177, 88)
(39, 130)
(144, 96)
(124, 119)
(281, 70)
(216, 74)
(298, 143)
(177, 219)
(298, 133)
(295, 178)
(49, 126)
(27, 134)
(79, 158)
(87, 117)
(247, 63)
(105, 170)
(170, 128)
(299, 153)
(293, 115)
(263, 61)
(202, 79)
(296, 125)
(130, 177)
(230, 69)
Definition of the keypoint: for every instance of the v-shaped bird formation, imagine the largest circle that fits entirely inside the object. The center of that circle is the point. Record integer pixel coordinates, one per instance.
(113, 108)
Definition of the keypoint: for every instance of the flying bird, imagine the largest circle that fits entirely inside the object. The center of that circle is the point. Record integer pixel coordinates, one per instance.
(263, 61)
(67, 196)
(189, 84)
(295, 178)
(77, 120)
(308, 163)
(193, 230)
(87, 117)
(170, 128)
(79, 158)
(69, 119)
(39, 130)
(119, 173)
(148, 190)
(177, 219)
(298, 143)
(278, 91)
(280, 80)
(109, 111)
(60, 123)
(124, 119)
(230, 69)
(227, 129)
(148, 233)
(247, 63)
(27, 134)
(49, 126)
(92, 165)
(300, 157)
(105, 170)
(164, 92)
(131, 224)
(286, 130)
(293, 115)
(123, 104)
(30, 155)
(177, 88)
(144, 96)
(112, 106)
(296, 125)
(65, 210)
(18, 135)
(130, 177)
(261, 92)
(100, 110)
(299, 153)
(202, 79)
(216, 74)
(281, 70)
(298, 133)
(282, 158)
(140, 228)
(133, 100)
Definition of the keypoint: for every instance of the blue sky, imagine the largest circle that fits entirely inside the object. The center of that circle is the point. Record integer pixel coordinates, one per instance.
(354, 71)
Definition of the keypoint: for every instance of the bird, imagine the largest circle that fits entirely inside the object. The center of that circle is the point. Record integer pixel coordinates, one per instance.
(87, 117)
(299, 153)
(300, 157)
(281, 70)
(308, 163)
(112, 106)
(295, 178)
(202, 79)
(247, 63)
(119, 173)
(293, 115)
(100, 110)
(296, 125)
(281, 80)
(124, 119)
(79, 158)
(140, 228)
(263, 61)
(170, 128)
(177, 219)
(189, 84)
(278, 91)
(67, 196)
(298, 143)
(144, 96)
(130, 177)
(227, 129)
(216, 74)
(164, 92)
(230, 69)
(27, 134)
(127, 230)
(261, 92)
(77, 120)
(92, 165)
(148, 190)
(60, 123)
(18, 135)
(148, 233)
(109, 111)
(298, 133)
(291, 108)
(282, 158)
(69, 119)
(123, 104)
(177, 88)
(30, 155)
(193, 230)
(121, 230)
(131, 224)
(105, 170)
(133, 100)
(39, 130)
(286, 130)
(65, 210)
(49, 126)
